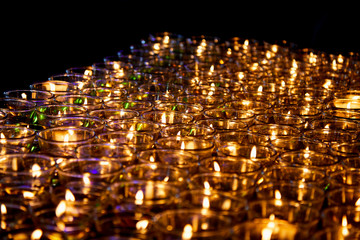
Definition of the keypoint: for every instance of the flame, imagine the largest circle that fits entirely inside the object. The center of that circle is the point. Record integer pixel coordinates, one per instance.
(206, 202)
(278, 201)
(357, 203)
(187, 232)
(3, 209)
(23, 96)
(116, 66)
(241, 75)
(340, 59)
(86, 179)
(142, 224)
(139, 197)
(327, 84)
(163, 118)
(28, 195)
(344, 224)
(274, 48)
(211, 70)
(2, 138)
(152, 159)
(301, 194)
(228, 51)
(207, 188)
(36, 234)
(246, 44)
(268, 230)
(182, 147)
(307, 154)
(253, 152)
(61, 208)
(334, 65)
(166, 40)
(348, 106)
(327, 126)
(52, 87)
(156, 46)
(216, 166)
(178, 136)
(69, 196)
(260, 89)
(35, 170)
(66, 138)
(130, 136)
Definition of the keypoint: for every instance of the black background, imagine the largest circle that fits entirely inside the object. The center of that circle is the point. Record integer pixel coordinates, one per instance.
(40, 40)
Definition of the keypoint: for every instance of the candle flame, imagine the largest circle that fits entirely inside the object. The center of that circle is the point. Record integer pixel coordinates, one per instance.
(86, 179)
(357, 203)
(178, 136)
(260, 89)
(253, 152)
(61, 208)
(23, 96)
(278, 201)
(66, 138)
(182, 147)
(216, 166)
(152, 159)
(348, 105)
(163, 118)
(36, 234)
(52, 87)
(139, 197)
(3, 209)
(344, 224)
(35, 170)
(206, 202)
(69, 196)
(187, 232)
(142, 224)
(268, 230)
(2, 138)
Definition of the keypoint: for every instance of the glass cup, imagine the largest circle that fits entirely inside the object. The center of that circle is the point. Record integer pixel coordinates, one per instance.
(105, 93)
(156, 172)
(92, 123)
(257, 107)
(202, 148)
(45, 114)
(36, 96)
(194, 109)
(55, 87)
(166, 118)
(241, 186)
(224, 125)
(120, 153)
(343, 196)
(62, 141)
(221, 202)
(281, 119)
(137, 125)
(304, 193)
(241, 137)
(228, 113)
(31, 169)
(345, 178)
(149, 196)
(88, 102)
(18, 110)
(192, 224)
(330, 136)
(173, 157)
(96, 170)
(139, 106)
(193, 130)
(151, 97)
(207, 102)
(17, 136)
(111, 114)
(137, 140)
(275, 130)
(341, 216)
(335, 233)
(13, 216)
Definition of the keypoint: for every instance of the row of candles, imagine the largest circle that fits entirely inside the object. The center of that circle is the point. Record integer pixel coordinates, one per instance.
(186, 138)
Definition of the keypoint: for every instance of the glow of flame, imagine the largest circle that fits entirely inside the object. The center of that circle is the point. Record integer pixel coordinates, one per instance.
(260, 89)
(357, 203)
(52, 87)
(211, 70)
(334, 65)
(86, 179)
(69, 196)
(216, 166)
(268, 230)
(166, 40)
(178, 136)
(348, 105)
(344, 224)
(182, 147)
(35, 170)
(23, 96)
(278, 201)
(163, 118)
(253, 152)
(206, 202)
(2, 138)
(187, 232)
(301, 194)
(139, 197)
(36, 234)
(207, 188)
(61, 208)
(66, 138)
(151, 159)
(142, 224)
(3, 209)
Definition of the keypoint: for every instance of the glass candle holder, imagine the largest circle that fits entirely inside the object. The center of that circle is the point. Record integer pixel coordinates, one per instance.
(105, 93)
(330, 136)
(166, 118)
(241, 186)
(224, 125)
(150, 196)
(120, 84)
(17, 110)
(93, 169)
(236, 165)
(352, 162)
(120, 153)
(156, 172)
(45, 114)
(92, 123)
(241, 137)
(111, 114)
(275, 130)
(62, 141)
(262, 154)
(18, 168)
(344, 103)
(36, 96)
(137, 125)
(206, 90)
(337, 124)
(139, 106)
(88, 102)
(256, 106)
(192, 224)
(173, 157)
(308, 112)
(278, 173)
(55, 87)
(334, 233)
(156, 87)
(311, 159)
(281, 119)
(351, 115)
(303, 217)
(228, 113)
(221, 202)
(194, 109)
(207, 102)
(202, 148)
(137, 140)
(266, 228)
(345, 150)
(343, 196)
(341, 216)
(151, 97)
(304, 193)
(192, 130)
(12, 216)
(17, 136)
(345, 178)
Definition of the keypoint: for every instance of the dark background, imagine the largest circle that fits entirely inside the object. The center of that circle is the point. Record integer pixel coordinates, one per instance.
(43, 40)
